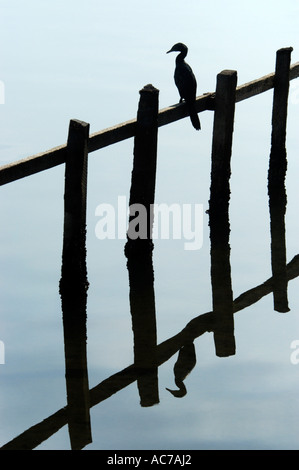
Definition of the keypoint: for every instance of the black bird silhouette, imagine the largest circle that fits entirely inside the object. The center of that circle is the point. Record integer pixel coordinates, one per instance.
(186, 82)
(183, 366)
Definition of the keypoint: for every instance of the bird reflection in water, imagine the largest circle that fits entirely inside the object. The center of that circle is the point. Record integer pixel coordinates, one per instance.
(183, 366)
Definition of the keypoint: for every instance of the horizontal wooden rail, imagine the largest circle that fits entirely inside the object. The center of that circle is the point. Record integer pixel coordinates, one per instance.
(56, 156)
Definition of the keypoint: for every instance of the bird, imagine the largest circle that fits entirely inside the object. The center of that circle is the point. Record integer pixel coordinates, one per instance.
(183, 366)
(185, 81)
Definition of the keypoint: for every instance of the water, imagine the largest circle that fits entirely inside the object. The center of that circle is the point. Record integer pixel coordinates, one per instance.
(55, 68)
(244, 401)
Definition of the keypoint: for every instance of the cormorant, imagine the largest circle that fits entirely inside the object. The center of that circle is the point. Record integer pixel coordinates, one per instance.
(186, 82)
(183, 366)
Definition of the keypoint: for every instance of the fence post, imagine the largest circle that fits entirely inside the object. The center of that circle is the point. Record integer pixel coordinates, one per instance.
(276, 179)
(139, 246)
(143, 181)
(74, 284)
(218, 213)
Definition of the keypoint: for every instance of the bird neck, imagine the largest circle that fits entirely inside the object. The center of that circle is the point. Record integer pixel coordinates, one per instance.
(180, 58)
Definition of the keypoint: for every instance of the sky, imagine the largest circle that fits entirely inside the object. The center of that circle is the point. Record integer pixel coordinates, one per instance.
(59, 59)
(88, 61)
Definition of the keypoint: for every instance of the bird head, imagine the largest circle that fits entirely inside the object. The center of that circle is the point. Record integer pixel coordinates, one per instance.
(178, 47)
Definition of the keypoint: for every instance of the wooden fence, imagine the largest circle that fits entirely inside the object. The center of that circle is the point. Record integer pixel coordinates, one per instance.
(148, 355)
(126, 130)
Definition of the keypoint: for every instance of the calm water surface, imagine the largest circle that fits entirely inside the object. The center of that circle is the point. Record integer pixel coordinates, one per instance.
(246, 401)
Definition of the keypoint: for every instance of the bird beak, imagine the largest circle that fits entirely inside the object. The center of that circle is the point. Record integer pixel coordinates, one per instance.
(169, 51)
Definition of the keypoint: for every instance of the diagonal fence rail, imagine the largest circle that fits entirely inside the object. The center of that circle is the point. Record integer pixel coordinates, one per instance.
(40, 432)
(126, 130)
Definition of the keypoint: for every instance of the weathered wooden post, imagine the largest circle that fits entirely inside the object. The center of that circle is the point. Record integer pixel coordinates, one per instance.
(143, 182)
(276, 179)
(139, 246)
(74, 284)
(219, 213)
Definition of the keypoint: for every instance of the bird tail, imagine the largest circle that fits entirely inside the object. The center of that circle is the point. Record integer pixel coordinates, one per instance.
(194, 116)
